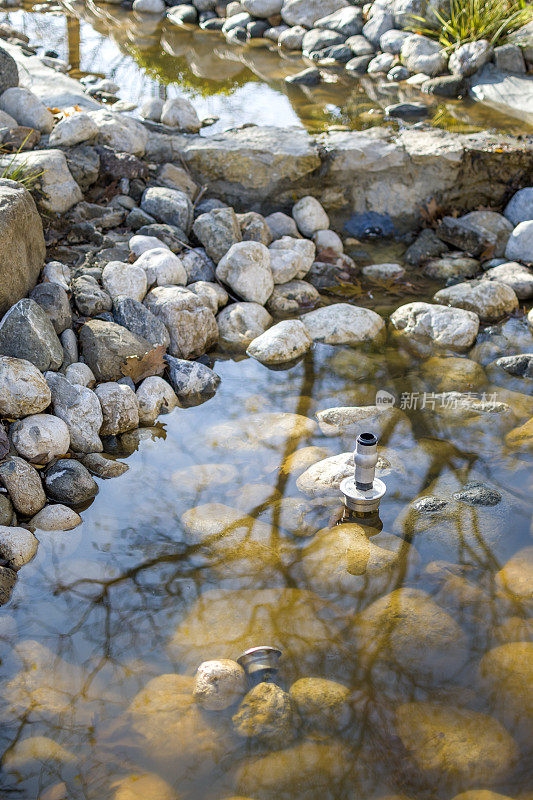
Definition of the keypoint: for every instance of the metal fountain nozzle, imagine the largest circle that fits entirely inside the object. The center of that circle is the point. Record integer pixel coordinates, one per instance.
(260, 663)
(363, 492)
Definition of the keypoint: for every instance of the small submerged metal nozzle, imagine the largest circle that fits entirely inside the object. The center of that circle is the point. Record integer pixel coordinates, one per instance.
(260, 663)
(363, 492)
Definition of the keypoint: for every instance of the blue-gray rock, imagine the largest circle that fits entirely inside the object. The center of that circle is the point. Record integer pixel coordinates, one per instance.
(509, 58)
(54, 301)
(348, 21)
(307, 77)
(217, 230)
(193, 383)
(134, 316)
(316, 40)
(398, 73)
(409, 111)
(69, 482)
(391, 41)
(358, 65)
(90, 298)
(520, 206)
(198, 266)
(426, 245)
(9, 74)
(360, 46)
(377, 25)
(173, 236)
(27, 332)
(445, 86)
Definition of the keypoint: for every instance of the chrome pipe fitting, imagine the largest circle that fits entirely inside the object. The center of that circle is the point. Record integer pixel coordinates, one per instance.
(260, 663)
(363, 492)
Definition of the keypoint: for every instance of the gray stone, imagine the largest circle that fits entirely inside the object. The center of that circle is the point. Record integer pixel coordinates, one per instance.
(217, 230)
(170, 235)
(9, 74)
(470, 57)
(445, 268)
(426, 245)
(263, 8)
(55, 518)
(191, 325)
(162, 267)
(316, 40)
(342, 323)
(378, 24)
(515, 275)
(445, 86)
(73, 130)
(420, 54)
(6, 510)
(348, 21)
(27, 109)
(508, 57)
(17, 546)
(102, 466)
(240, 323)
(89, 297)
(193, 383)
(139, 320)
(23, 485)
(137, 218)
(119, 408)
(511, 94)
(80, 409)
(83, 163)
(22, 248)
(490, 224)
(280, 225)
(254, 228)
(168, 205)
(26, 332)
(8, 579)
(121, 133)
(57, 189)
(54, 301)
(80, 374)
(69, 482)
(463, 236)
(520, 206)
(40, 438)
(23, 389)
(178, 112)
(307, 12)
(490, 300)
(281, 344)
(125, 280)
(246, 269)
(520, 366)
(105, 346)
(198, 265)
(391, 41)
(520, 243)
(359, 64)
(56, 272)
(292, 297)
(408, 111)
(154, 397)
(383, 272)
(360, 46)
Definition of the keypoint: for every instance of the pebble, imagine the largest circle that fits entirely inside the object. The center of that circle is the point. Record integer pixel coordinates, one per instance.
(284, 342)
(310, 216)
(124, 280)
(219, 684)
(162, 267)
(17, 546)
(23, 485)
(119, 408)
(55, 518)
(40, 438)
(154, 397)
(69, 482)
(23, 390)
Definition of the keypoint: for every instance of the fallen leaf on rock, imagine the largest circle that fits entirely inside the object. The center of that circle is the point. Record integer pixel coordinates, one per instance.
(139, 367)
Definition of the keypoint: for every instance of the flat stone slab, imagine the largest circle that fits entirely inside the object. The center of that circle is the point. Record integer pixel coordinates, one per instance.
(54, 89)
(510, 94)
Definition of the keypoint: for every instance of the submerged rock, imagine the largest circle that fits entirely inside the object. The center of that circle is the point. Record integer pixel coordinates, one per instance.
(265, 714)
(219, 684)
(506, 675)
(266, 429)
(516, 576)
(143, 786)
(321, 704)
(193, 382)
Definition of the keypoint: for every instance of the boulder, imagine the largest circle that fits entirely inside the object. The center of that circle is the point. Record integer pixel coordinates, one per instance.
(73, 130)
(26, 332)
(420, 54)
(506, 676)
(520, 206)
(106, 346)
(240, 323)
(80, 409)
(490, 300)
(178, 112)
(342, 323)
(191, 325)
(134, 316)
(246, 269)
(193, 383)
(168, 205)
(322, 705)
(22, 248)
(217, 230)
(54, 301)
(23, 389)
(284, 342)
(470, 57)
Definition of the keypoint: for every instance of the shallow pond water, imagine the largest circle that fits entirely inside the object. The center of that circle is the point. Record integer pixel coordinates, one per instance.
(234, 84)
(198, 552)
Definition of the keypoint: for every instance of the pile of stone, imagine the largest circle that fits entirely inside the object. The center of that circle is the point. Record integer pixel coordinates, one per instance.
(373, 38)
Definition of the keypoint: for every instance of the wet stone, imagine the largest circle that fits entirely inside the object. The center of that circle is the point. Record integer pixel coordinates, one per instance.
(101, 466)
(477, 494)
(322, 705)
(17, 546)
(23, 484)
(265, 714)
(219, 684)
(193, 382)
(8, 579)
(69, 482)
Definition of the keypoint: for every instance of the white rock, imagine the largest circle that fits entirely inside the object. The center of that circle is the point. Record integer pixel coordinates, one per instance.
(168, 205)
(27, 109)
(328, 240)
(241, 323)
(246, 269)
(178, 112)
(139, 244)
(124, 280)
(120, 132)
(420, 54)
(191, 325)
(40, 437)
(55, 272)
(219, 684)
(383, 272)
(520, 243)
(73, 130)
(280, 344)
(470, 57)
(262, 8)
(305, 247)
(151, 108)
(285, 264)
(17, 546)
(342, 323)
(213, 294)
(520, 206)
(309, 216)
(446, 327)
(162, 267)
(380, 64)
(57, 189)
(119, 408)
(7, 121)
(23, 390)
(80, 374)
(490, 300)
(55, 518)
(149, 6)
(307, 12)
(154, 397)
(515, 275)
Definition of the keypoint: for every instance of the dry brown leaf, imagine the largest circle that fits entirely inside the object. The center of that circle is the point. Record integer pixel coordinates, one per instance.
(4, 442)
(139, 367)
